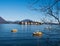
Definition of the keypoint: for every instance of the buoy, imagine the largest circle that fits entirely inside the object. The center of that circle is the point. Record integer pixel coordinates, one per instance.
(37, 33)
(14, 30)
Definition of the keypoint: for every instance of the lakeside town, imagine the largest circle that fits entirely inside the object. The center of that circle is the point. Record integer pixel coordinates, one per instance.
(25, 22)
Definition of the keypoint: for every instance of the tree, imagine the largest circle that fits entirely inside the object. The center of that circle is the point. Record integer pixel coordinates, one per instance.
(48, 9)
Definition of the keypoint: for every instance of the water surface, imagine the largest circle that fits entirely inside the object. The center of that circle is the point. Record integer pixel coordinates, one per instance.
(24, 36)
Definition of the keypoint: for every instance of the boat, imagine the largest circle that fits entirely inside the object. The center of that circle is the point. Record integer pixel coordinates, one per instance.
(48, 28)
(14, 30)
(37, 33)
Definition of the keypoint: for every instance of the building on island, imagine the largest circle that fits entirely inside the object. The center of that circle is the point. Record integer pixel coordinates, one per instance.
(29, 22)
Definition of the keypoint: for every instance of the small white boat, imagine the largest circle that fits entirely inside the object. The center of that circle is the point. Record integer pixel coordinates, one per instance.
(49, 27)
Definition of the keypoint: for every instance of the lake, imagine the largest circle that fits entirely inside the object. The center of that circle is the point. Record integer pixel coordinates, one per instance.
(24, 35)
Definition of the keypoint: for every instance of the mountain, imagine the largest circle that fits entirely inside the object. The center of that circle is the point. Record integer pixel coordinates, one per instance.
(2, 20)
(26, 20)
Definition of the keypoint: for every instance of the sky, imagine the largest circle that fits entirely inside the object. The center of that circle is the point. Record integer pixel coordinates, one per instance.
(17, 10)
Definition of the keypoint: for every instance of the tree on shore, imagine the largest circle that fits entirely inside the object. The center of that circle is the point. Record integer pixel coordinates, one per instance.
(48, 9)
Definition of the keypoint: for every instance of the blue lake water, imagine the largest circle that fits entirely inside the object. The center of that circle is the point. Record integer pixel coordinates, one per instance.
(24, 35)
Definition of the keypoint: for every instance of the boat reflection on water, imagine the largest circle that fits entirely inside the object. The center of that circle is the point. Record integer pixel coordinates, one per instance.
(38, 35)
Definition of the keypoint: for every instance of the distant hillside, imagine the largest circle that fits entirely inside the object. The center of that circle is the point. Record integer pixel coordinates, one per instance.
(26, 20)
(2, 20)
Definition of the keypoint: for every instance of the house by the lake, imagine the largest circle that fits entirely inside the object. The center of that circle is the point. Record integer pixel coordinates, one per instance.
(29, 22)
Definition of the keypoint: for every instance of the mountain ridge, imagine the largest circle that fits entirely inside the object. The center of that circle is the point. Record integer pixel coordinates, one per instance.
(2, 20)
